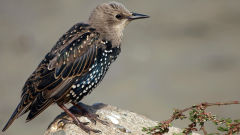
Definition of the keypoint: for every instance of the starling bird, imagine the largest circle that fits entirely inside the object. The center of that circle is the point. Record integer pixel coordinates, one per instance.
(76, 64)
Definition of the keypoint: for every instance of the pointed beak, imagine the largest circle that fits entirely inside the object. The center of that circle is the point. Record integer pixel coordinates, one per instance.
(135, 16)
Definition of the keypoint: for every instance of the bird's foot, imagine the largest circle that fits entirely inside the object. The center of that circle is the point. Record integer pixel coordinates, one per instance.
(91, 116)
(94, 118)
(82, 125)
(76, 121)
(61, 123)
(85, 128)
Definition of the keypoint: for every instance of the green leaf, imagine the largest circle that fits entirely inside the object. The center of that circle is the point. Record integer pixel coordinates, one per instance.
(178, 134)
(228, 120)
(144, 129)
(237, 121)
(214, 122)
(223, 129)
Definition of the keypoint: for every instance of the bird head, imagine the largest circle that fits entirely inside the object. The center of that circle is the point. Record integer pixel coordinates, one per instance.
(111, 18)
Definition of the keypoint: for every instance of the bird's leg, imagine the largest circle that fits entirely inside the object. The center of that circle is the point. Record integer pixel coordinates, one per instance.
(76, 120)
(91, 116)
(61, 123)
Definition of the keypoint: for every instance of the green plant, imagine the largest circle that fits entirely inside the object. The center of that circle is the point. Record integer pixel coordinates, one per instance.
(198, 116)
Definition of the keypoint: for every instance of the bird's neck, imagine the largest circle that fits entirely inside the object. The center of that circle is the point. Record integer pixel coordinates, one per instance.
(112, 34)
(115, 36)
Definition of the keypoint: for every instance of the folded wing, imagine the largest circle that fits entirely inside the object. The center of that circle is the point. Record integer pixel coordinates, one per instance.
(72, 56)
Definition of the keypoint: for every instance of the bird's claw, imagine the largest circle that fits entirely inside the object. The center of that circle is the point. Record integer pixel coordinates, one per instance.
(63, 122)
(85, 128)
(95, 118)
(82, 125)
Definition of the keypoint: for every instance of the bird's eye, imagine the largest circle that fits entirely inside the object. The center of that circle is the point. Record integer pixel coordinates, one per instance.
(118, 16)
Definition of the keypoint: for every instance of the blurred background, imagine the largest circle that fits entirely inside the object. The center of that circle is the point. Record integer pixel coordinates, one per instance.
(186, 53)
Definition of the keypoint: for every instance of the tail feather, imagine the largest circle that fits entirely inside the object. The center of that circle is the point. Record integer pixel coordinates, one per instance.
(40, 105)
(15, 114)
(22, 108)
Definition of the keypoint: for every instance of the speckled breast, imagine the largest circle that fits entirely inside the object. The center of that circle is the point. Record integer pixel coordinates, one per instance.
(85, 84)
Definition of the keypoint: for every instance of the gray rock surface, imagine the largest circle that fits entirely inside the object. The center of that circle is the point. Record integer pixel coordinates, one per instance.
(121, 122)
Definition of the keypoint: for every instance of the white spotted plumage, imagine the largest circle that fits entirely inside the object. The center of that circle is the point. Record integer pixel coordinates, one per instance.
(97, 71)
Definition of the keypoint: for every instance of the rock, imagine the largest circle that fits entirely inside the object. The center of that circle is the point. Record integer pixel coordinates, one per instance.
(121, 122)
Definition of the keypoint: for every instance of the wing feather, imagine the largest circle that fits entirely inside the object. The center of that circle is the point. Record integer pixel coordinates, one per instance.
(72, 56)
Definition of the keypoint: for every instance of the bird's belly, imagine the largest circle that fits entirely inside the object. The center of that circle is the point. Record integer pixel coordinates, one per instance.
(85, 84)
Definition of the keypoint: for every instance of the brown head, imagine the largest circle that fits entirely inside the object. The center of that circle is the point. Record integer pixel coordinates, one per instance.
(111, 18)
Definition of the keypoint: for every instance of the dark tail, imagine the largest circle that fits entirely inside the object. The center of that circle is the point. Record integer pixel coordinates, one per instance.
(38, 106)
(15, 114)
(20, 110)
